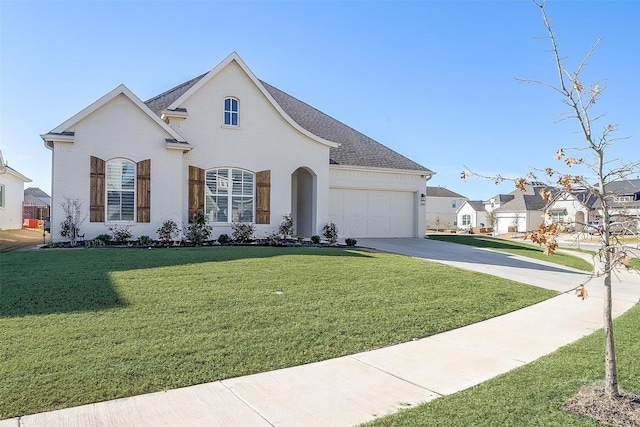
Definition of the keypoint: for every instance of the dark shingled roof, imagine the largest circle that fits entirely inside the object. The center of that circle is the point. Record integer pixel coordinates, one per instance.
(477, 205)
(442, 192)
(355, 148)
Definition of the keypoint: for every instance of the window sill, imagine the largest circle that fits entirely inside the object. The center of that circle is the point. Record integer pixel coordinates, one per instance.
(231, 127)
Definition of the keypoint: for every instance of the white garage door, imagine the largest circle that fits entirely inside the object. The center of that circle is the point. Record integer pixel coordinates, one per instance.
(367, 213)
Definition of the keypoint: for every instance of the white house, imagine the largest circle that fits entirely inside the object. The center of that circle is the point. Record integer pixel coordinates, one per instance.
(472, 214)
(236, 149)
(524, 211)
(573, 209)
(442, 205)
(580, 207)
(11, 196)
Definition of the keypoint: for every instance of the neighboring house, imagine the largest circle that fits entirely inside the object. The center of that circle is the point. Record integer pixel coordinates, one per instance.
(442, 205)
(11, 196)
(624, 202)
(236, 149)
(36, 204)
(525, 210)
(472, 214)
(581, 207)
(573, 209)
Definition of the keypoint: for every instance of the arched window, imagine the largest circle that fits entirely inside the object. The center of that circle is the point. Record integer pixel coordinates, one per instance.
(231, 112)
(121, 190)
(229, 195)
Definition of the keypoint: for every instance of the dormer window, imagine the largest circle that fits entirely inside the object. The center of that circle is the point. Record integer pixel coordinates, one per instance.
(231, 112)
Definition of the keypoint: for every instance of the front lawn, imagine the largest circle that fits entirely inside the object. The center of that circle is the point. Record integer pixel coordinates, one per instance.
(532, 395)
(516, 248)
(86, 325)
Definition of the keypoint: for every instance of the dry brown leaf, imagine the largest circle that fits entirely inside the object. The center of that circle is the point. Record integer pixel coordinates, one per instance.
(581, 292)
(559, 154)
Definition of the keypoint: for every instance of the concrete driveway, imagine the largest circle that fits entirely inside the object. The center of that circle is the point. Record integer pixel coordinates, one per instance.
(520, 269)
(13, 240)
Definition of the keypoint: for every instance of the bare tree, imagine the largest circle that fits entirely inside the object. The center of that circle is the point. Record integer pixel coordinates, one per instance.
(599, 171)
(74, 217)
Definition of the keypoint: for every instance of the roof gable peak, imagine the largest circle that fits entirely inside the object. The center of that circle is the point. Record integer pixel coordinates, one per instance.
(231, 58)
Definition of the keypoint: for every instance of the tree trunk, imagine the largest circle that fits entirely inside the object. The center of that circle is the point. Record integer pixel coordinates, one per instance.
(610, 369)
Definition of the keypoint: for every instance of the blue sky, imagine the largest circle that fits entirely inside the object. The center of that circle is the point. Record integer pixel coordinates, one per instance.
(433, 80)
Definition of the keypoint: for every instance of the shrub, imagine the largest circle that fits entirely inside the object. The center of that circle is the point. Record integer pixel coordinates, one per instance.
(242, 231)
(286, 226)
(315, 239)
(274, 238)
(198, 231)
(104, 238)
(299, 240)
(168, 231)
(330, 232)
(120, 233)
(95, 243)
(144, 240)
(350, 241)
(224, 239)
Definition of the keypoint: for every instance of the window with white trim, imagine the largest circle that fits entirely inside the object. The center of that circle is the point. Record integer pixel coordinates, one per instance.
(454, 204)
(231, 112)
(557, 217)
(466, 219)
(1, 195)
(121, 190)
(229, 195)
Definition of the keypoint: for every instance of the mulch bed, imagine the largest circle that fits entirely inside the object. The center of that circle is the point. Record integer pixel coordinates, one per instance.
(592, 402)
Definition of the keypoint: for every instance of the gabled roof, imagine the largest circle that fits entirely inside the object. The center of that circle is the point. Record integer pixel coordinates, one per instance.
(476, 205)
(500, 198)
(36, 192)
(625, 187)
(61, 133)
(523, 203)
(33, 196)
(5, 168)
(442, 192)
(355, 148)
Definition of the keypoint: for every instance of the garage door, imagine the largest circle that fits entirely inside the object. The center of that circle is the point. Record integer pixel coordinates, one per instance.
(367, 213)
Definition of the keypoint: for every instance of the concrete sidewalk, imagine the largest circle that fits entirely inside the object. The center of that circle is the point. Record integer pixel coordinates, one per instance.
(350, 390)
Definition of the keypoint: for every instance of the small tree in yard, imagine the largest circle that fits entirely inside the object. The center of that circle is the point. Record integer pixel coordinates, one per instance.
(597, 173)
(197, 231)
(74, 217)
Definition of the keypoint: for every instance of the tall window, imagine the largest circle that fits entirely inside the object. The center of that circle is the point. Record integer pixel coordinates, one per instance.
(231, 112)
(453, 204)
(121, 188)
(466, 219)
(229, 195)
(1, 195)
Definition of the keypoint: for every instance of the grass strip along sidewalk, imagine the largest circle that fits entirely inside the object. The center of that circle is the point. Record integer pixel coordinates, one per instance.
(532, 394)
(86, 325)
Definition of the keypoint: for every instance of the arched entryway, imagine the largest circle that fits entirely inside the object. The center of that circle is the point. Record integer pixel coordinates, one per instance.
(303, 202)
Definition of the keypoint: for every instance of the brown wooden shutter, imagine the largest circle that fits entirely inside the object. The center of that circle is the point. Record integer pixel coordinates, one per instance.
(96, 190)
(263, 197)
(143, 192)
(196, 191)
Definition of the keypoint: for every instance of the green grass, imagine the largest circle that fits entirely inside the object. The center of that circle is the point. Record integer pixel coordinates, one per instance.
(516, 248)
(532, 395)
(86, 325)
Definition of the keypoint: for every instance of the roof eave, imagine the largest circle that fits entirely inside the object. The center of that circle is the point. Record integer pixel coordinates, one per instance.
(423, 173)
